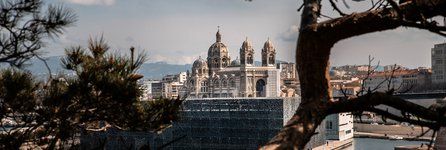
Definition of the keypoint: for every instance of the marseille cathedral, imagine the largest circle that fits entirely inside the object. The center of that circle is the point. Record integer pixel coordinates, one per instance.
(219, 76)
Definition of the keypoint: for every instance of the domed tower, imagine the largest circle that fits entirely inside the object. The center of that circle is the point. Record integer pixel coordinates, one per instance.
(218, 56)
(268, 54)
(197, 82)
(200, 67)
(246, 54)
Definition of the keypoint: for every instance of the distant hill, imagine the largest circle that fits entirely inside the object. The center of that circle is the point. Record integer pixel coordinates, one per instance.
(150, 70)
(154, 70)
(159, 69)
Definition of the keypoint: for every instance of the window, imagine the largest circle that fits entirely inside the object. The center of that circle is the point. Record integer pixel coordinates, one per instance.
(438, 61)
(271, 59)
(232, 82)
(348, 131)
(215, 63)
(438, 51)
(249, 59)
(329, 125)
(225, 63)
(224, 83)
(204, 87)
(216, 83)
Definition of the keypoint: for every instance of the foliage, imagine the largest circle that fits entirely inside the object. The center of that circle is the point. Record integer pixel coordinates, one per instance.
(24, 26)
(104, 89)
(53, 113)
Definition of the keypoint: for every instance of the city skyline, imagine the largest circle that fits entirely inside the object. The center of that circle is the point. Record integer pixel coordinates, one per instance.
(178, 32)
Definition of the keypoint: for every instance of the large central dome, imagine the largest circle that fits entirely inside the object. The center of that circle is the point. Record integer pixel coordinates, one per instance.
(218, 48)
(218, 56)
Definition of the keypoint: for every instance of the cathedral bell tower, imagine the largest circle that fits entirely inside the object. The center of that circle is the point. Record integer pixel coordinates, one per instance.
(268, 54)
(246, 54)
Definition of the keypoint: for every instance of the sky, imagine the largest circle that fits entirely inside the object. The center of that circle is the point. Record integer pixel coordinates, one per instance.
(179, 31)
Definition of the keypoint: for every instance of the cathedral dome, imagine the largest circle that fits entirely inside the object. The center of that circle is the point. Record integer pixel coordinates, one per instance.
(199, 63)
(218, 48)
(235, 62)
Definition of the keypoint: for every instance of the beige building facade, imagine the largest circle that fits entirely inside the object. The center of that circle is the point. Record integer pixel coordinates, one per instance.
(218, 76)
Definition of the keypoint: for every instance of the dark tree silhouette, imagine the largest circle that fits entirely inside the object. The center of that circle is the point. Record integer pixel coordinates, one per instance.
(104, 89)
(315, 40)
(51, 114)
(24, 25)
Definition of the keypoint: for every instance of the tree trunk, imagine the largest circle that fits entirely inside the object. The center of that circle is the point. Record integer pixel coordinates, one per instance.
(312, 55)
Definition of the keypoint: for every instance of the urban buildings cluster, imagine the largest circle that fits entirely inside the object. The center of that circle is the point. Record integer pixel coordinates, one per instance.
(351, 79)
(238, 104)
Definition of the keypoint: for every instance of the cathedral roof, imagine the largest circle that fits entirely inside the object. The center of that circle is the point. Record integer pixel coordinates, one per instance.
(268, 44)
(199, 63)
(247, 44)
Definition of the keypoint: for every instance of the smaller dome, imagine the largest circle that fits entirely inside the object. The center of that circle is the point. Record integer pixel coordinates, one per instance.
(235, 62)
(247, 44)
(199, 63)
(268, 44)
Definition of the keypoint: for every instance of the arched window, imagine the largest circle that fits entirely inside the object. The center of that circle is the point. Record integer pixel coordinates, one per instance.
(215, 63)
(232, 83)
(271, 59)
(216, 83)
(249, 59)
(224, 83)
(260, 88)
(225, 63)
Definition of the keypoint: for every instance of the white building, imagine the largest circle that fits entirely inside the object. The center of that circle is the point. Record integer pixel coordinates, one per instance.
(339, 126)
(146, 85)
(169, 87)
(438, 62)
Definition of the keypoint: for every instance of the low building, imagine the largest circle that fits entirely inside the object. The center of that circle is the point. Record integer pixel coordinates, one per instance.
(212, 123)
(398, 80)
(339, 127)
(146, 86)
(157, 90)
(231, 123)
(342, 88)
(170, 86)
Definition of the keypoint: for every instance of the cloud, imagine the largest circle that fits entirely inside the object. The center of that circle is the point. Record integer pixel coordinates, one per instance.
(173, 59)
(290, 35)
(93, 2)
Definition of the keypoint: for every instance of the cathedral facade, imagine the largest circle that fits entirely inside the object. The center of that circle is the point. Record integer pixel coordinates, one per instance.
(218, 76)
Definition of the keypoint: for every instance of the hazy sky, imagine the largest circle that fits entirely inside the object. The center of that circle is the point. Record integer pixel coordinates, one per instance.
(179, 31)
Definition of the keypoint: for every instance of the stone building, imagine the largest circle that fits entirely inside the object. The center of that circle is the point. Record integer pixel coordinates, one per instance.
(218, 76)
(438, 63)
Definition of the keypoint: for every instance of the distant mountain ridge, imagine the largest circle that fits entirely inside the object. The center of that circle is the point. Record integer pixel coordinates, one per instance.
(154, 70)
